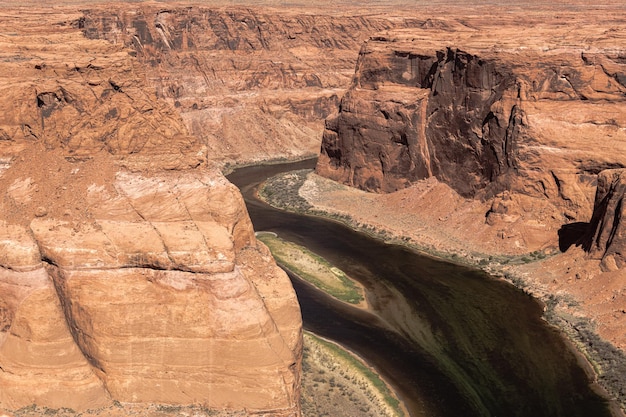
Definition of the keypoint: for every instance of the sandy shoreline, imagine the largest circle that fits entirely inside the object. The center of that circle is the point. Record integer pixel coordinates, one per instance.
(314, 270)
(364, 397)
(335, 383)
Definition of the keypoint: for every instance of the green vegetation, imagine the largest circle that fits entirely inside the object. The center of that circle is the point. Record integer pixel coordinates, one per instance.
(282, 191)
(117, 408)
(313, 268)
(169, 408)
(359, 369)
(609, 363)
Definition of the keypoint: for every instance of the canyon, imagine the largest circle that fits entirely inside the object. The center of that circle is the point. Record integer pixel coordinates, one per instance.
(129, 269)
(501, 143)
(496, 117)
(251, 84)
(496, 145)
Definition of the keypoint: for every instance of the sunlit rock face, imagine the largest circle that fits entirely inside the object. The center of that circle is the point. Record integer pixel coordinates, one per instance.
(486, 110)
(253, 83)
(607, 238)
(129, 270)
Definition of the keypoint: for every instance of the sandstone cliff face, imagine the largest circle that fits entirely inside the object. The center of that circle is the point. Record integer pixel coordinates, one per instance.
(483, 116)
(607, 238)
(251, 83)
(129, 270)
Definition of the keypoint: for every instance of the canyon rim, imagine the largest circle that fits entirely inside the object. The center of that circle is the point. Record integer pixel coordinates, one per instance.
(123, 249)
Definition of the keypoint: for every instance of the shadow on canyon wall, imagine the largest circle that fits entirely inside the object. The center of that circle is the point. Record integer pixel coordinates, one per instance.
(572, 234)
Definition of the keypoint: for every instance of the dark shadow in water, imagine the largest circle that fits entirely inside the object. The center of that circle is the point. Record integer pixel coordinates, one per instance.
(454, 340)
(413, 373)
(572, 234)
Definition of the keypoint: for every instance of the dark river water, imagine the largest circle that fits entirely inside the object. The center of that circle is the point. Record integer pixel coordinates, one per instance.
(451, 340)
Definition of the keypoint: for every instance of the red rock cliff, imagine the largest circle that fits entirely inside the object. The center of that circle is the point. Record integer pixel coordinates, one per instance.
(129, 270)
(484, 111)
(251, 83)
(607, 236)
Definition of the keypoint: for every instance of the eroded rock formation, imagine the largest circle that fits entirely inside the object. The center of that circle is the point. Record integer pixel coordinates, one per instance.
(487, 111)
(252, 83)
(129, 270)
(607, 234)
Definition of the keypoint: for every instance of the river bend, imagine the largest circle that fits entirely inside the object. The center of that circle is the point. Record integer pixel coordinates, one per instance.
(453, 341)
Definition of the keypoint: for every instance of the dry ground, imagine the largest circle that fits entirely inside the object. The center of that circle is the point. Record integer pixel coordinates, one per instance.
(332, 386)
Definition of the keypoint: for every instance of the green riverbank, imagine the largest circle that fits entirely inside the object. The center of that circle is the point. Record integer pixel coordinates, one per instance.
(314, 269)
(605, 364)
(336, 382)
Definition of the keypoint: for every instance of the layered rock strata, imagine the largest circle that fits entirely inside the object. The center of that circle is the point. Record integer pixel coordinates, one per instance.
(488, 110)
(129, 270)
(251, 83)
(490, 141)
(607, 235)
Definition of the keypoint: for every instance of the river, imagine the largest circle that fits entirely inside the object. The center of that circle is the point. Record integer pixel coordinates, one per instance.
(451, 340)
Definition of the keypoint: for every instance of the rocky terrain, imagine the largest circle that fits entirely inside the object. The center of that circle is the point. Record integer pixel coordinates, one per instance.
(113, 122)
(130, 277)
(605, 240)
(513, 117)
(253, 84)
(496, 143)
(129, 270)
(504, 135)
